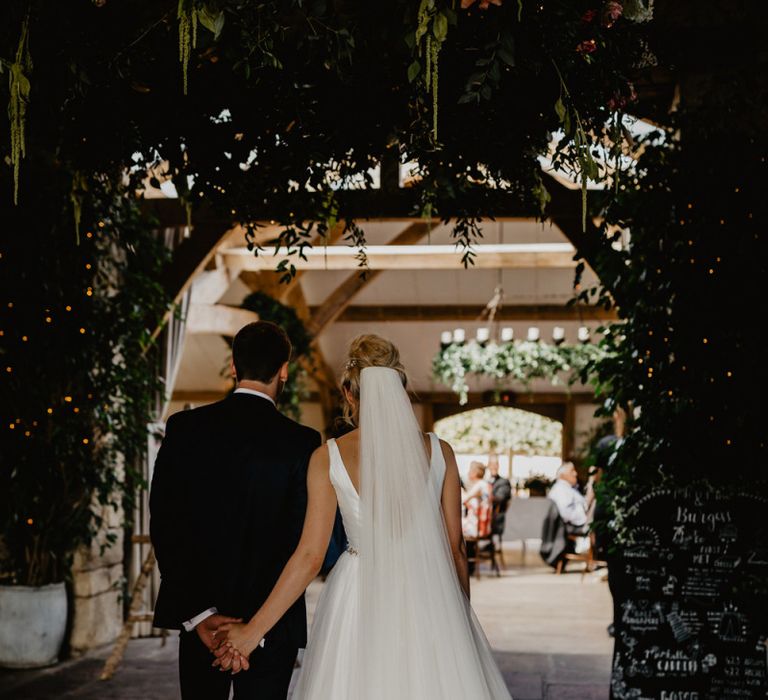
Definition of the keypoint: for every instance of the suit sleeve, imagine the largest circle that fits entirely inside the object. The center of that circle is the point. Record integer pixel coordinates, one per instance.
(172, 526)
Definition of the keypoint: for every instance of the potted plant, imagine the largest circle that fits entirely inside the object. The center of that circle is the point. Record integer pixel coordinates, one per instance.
(33, 618)
(80, 384)
(537, 485)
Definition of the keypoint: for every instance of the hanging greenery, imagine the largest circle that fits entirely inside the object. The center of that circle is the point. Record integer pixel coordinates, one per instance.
(270, 309)
(19, 89)
(521, 362)
(289, 102)
(431, 31)
(187, 16)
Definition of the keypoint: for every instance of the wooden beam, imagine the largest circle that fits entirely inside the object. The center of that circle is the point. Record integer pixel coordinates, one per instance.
(267, 281)
(218, 319)
(317, 367)
(511, 312)
(340, 298)
(334, 235)
(188, 259)
(386, 203)
(564, 210)
(191, 257)
(476, 399)
(210, 285)
(394, 256)
(517, 399)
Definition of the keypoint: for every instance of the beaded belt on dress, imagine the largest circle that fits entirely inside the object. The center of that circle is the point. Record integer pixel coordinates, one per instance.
(352, 550)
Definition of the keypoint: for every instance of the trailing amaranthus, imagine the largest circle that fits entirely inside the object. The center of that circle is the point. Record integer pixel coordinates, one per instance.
(76, 194)
(187, 16)
(431, 32)
(19, 89)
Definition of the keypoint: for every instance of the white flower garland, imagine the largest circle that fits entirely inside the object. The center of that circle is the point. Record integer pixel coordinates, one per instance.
(521, 361)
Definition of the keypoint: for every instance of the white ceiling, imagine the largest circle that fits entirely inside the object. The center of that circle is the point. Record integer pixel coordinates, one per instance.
(205, 356)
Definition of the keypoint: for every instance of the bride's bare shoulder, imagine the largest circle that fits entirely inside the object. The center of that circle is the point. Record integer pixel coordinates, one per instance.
(349, 438)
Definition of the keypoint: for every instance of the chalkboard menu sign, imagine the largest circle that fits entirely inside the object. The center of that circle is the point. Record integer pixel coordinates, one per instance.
(692, 607)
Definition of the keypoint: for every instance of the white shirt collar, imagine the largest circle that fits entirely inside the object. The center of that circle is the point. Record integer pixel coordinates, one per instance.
(261, 394)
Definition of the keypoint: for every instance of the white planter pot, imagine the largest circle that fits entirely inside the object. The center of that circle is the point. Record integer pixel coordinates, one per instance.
(32, 625)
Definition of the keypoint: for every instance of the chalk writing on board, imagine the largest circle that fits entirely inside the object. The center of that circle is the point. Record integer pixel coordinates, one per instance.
(689, 624)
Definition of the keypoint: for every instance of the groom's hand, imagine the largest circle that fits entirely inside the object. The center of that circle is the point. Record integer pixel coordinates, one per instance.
(207, 629)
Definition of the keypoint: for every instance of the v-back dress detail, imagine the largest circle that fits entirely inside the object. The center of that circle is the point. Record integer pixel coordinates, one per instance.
(332, 652)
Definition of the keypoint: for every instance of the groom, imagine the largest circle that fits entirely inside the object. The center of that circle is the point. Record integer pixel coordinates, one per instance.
(227, 506)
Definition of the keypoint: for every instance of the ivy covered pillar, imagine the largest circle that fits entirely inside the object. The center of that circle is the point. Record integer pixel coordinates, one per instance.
(687, 485)
(80, 296)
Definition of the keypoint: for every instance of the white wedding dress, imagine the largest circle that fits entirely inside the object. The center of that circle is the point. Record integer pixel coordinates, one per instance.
(392, 622)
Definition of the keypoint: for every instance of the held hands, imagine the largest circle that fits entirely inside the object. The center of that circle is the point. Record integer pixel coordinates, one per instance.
(207, 629)
(236, 642)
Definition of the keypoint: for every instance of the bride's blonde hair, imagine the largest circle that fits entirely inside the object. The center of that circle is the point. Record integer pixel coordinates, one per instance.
(367, 350)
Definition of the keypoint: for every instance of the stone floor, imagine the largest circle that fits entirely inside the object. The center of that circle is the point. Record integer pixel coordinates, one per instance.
(548, 632)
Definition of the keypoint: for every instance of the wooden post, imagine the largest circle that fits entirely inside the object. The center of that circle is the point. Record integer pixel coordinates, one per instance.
(134, 616)
(569, 429)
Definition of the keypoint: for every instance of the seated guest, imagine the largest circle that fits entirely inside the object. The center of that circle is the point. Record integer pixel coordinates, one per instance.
(502, 494)
(477, 498)
(571, 504)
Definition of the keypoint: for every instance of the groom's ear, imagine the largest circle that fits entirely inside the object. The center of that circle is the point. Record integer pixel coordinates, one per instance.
(284, 372)
(233, 370)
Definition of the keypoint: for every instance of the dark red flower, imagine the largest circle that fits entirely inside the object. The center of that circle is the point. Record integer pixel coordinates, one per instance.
(588, 16)
(620, 100)
(484, 4)
(587, 46)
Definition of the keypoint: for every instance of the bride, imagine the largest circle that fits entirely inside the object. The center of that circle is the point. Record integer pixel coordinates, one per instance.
(394, 619)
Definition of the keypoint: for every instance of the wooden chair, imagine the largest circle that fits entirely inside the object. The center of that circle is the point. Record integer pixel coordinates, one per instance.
(588, 557)
(484, 549)
(484, 546)
(498, 539)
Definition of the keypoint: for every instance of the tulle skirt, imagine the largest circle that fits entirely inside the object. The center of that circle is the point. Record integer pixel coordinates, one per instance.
(331, 662)
(327, 672)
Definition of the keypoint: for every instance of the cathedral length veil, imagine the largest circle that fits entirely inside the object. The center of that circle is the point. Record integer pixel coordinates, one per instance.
(418, 638)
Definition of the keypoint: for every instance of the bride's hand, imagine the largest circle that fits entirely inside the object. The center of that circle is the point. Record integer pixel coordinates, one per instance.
(237, 643)
(229, 659)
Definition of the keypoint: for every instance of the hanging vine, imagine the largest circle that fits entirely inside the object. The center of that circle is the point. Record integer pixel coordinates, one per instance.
(76, 195)
(574, 131)
(431, 32)
(19, 89)
(187, 16)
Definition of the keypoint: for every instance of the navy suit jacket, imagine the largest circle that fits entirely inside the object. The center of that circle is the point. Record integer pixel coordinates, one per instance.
(227, 506)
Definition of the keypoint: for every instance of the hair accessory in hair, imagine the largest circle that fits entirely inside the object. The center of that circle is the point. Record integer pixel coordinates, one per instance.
(352, 362)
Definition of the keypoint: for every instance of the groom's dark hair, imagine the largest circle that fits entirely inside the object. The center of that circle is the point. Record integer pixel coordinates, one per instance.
(259, 350)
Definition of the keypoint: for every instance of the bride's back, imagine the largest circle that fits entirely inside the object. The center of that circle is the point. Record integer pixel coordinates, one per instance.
(349, 449)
